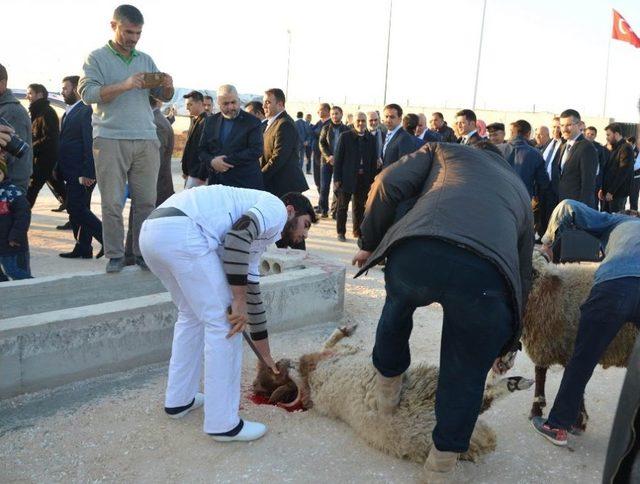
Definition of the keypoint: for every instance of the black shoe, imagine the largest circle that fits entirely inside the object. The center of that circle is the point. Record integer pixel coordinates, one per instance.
(324, 215)
(141, 263)
(61, 208)
(308, 172)
(76, 254)
(333, 216)
(101, 253)
(115, 265)
(317, 209)
(66, 226)
(342, 238)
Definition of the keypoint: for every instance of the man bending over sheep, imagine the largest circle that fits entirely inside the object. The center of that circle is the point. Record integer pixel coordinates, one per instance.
(204, 244)
(614, 300)
(465, 242)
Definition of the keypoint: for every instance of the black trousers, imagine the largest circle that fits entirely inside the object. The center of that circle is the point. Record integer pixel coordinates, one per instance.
(308, 153)
(609, 305)
(358, 200)
(316, 168)
(615, 205)
(86, 226)
(635, 190)
(43, 173)
(478, 322)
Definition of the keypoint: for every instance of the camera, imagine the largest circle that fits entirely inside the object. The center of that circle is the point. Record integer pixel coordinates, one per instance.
(16, 145)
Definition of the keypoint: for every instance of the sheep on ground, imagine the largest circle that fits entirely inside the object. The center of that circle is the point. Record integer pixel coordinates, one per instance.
(550, 324)
(341, 383)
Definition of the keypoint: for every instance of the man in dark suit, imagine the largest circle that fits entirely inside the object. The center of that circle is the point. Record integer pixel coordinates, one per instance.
(77, 169)
(439, 125)
(324, 114)
(279, 163)
(603, 159)
(303, 133)
(194, 172)
(355, 166)
(374, 128)
(466, 124)
(328, 143)
(231, 144)
(255, 108)
(398, 142)
(616, 183)
(576, 163)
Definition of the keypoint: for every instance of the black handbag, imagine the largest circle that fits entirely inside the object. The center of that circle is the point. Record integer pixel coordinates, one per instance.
(575, 245)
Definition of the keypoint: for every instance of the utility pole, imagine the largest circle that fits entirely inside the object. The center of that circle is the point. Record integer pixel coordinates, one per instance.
(475, 89)
(286, 90)
(386, 69)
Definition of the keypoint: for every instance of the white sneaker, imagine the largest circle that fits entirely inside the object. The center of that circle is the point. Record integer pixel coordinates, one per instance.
(250, 431)
(198, 401)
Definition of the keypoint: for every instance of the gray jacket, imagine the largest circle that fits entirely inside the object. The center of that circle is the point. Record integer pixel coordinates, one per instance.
(460, 194)
(16, 115)
(165, 135)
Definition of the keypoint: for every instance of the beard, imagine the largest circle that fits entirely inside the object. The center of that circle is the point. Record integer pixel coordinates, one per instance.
(287, 235)
(71, 99)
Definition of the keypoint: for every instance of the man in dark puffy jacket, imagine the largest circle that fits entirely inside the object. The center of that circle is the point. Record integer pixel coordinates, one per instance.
(466, 243)
(616, 183)
(45, 129)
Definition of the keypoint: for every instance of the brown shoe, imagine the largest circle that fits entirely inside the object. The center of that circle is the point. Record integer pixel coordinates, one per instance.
(388, 393)
(440, 466)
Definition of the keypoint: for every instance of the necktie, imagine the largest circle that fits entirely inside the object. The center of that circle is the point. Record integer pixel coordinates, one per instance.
(565, 155)
(387, 140)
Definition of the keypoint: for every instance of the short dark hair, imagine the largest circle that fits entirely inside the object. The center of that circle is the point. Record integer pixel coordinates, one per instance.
(570, 113)
(592, 128)
(522, 127)
(208, 97)
(195, 95)
(396, 107)
(39, 89)
(278, 94)
(614, 128)
(129, 13)
(325, 106)
(488, 146)
(3, 73)
(301, 205)
(495, 127)
(299, 114)
(467, 114)
(410, 123)
(337, 108)
(256, 105)
(438, 115)
(74, 80)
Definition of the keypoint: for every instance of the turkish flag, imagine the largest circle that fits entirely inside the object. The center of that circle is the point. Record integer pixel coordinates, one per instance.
(622, 31)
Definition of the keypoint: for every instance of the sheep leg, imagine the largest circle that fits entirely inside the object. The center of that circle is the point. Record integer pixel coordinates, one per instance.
(583, 418)
(337, 335)
(539, 400)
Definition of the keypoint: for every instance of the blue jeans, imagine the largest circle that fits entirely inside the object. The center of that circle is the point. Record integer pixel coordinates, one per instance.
(609, 305)
(326, 173)
(16, 266)
(478, 322)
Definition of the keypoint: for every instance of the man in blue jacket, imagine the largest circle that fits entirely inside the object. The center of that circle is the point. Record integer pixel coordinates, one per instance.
(614, 300)
(76, 167)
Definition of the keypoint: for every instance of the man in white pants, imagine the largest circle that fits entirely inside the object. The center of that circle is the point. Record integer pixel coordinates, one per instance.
(204, 244)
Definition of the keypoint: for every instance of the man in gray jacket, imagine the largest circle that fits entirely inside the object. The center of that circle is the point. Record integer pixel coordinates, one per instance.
(16, 115)
(465, 242)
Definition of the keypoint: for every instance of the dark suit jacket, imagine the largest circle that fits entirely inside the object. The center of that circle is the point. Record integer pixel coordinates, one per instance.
(327, 136)
(619, 171)
(191, 164)
(401, 144)
(474, 139)
(347, 160)
(577, 180)
(279, 163)
(242, 149)
(75, 148)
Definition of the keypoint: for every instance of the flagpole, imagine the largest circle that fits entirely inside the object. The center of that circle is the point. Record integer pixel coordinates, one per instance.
(475, 88)
(606, 80)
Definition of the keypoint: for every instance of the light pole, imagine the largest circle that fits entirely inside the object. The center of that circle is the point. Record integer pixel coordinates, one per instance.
(386, 69)
(475, 89)
(286, 90)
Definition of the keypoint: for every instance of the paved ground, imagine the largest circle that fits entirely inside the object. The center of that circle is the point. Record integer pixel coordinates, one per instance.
(113, 428)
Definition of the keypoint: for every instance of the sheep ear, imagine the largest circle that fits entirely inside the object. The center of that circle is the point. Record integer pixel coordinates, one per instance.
(283, 394)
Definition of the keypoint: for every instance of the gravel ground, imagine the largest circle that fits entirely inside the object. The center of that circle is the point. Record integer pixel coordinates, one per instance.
(113, 428)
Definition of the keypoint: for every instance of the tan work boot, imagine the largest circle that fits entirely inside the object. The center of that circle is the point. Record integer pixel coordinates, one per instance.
(388, 393)
(440, 466)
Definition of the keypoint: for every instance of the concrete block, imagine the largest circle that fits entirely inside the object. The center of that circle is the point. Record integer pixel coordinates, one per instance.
(58, 339)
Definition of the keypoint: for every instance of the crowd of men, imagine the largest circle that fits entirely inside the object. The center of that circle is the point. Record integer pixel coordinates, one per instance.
(114, 135)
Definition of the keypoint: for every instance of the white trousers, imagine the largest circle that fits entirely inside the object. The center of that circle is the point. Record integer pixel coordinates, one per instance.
(178, 254)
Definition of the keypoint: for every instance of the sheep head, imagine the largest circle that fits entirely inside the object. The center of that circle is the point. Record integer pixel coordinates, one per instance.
(278, 388)
(503, 387)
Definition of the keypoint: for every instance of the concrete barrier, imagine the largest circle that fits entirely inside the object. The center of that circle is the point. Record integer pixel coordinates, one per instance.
(56, 330)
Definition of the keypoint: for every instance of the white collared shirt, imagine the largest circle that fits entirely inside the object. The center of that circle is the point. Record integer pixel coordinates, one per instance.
(556, 144)
(69, 108)
(465, 138)
(390, 135)
(565, 155)
(272, 119)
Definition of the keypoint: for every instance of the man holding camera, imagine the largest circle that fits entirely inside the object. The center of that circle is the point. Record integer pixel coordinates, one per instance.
(119, 79)
(16, 116)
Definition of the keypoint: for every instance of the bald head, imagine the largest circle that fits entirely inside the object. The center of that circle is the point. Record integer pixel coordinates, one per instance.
(542, 135)
(229, 101)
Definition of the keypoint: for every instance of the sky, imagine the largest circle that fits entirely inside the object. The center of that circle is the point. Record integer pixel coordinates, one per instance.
(544, 55)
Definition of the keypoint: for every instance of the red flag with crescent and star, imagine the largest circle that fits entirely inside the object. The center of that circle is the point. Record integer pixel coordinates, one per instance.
(623, 31)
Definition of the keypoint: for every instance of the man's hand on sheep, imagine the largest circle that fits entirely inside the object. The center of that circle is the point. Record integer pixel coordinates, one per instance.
(360, 258)
(263, 348)
(238, 316)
